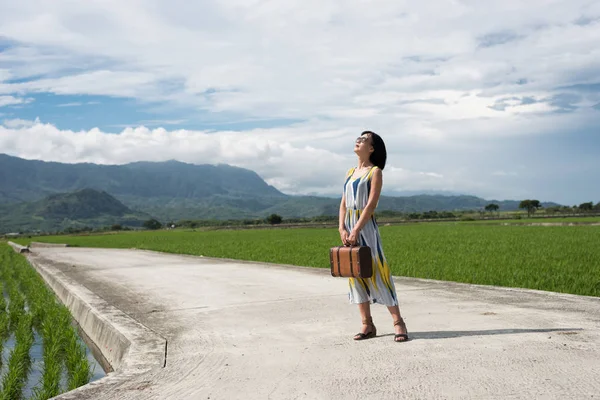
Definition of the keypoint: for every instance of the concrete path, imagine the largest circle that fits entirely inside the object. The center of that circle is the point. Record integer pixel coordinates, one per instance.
(239, 330)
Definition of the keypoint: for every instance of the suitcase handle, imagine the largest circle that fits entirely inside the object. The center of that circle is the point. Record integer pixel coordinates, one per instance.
(351, 269)
(338, 259)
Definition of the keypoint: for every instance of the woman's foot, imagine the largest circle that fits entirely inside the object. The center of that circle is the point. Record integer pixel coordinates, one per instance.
(400, 330)
(368, 330)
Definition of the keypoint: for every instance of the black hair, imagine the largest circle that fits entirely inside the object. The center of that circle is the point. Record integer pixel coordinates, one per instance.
(379, 154)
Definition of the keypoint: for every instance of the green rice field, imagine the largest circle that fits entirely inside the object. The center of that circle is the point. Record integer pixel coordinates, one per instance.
(41, 353)
(554, 258)
(525, 220)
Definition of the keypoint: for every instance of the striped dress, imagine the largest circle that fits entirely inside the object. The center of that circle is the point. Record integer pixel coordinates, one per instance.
(380, 287)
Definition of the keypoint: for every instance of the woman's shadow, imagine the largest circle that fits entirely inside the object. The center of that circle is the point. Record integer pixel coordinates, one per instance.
(455, 334)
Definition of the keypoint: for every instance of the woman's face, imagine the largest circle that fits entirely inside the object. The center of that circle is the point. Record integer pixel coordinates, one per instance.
(363, 145)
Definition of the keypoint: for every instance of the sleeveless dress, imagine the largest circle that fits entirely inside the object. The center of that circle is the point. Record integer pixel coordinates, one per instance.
(380, 287)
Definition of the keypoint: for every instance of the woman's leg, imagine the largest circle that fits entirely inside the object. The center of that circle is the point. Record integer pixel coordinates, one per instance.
(395, 311)
(365, 310)
(399, 325)
(368, 328)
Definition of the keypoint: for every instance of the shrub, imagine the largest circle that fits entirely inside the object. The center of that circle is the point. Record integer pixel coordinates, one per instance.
(152, 224)
(274, 219)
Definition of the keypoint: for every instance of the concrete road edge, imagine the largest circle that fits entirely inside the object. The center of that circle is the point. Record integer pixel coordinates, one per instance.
(18, 248)
(129, 347)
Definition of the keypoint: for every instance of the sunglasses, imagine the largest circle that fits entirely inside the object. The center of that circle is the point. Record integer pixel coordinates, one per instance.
(362, 139)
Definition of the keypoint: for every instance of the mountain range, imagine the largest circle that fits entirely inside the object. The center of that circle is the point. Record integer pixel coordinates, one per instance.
(174, 190)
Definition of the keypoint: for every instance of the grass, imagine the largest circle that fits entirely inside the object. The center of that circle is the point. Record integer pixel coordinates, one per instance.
(50, 385)
(19, 362)
(555, 258)
(32, 306)
(525, 220)
(19, 323)
(4, 321)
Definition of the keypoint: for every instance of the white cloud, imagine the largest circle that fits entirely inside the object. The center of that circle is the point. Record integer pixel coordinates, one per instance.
(442, 81)
(156, 122)
(17, 123)
(5, 74)
(305, 58)
(73, 104)
(504, 173)
(11, 100)
(402, 179)
(290, 160)
(298, 161)
(103, 82)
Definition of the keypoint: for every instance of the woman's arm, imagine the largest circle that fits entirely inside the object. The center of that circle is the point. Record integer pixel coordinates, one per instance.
(342, 215)
(342, 219)
(376, 184)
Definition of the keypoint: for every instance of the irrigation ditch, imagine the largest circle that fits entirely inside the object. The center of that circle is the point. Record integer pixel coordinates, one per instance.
(119, 348)
(42, 353)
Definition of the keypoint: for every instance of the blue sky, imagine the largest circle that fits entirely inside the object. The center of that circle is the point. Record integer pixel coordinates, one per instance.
(499, 99)
(112, 114)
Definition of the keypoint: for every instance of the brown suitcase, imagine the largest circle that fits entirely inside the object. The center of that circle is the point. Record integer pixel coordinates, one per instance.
(351, 261)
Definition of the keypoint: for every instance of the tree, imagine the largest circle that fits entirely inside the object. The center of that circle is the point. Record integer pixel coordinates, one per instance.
(152, 224)
(430, 214)
(530, 205)
(116, 227)
(553, 209)
(274, 219)
(492, 207)
(597, 206)
(589, 206)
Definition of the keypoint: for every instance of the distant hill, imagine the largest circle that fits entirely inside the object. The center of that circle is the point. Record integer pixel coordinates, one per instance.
(174, 190)
(85, 207)
(83, 204)
(436, 202)
(311, 206)
(29, 180)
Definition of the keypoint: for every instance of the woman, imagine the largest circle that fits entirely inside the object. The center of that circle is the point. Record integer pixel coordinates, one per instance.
(357, 226)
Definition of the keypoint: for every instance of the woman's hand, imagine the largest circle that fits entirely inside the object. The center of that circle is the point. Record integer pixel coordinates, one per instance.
(344, 236)
(353, 238)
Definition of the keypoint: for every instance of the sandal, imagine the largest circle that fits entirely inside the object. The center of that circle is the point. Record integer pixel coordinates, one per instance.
(404, 336)
(370, 334)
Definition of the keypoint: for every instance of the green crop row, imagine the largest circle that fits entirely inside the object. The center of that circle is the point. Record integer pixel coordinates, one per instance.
(33, 307)
(19, 324)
